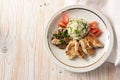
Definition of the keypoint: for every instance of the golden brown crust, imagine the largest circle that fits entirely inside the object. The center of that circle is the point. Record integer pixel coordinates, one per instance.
(73, 49)
(94, 41)
(87, 49)
(70, 50)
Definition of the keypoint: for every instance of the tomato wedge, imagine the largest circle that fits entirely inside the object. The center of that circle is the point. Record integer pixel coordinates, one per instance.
(95, 30)
(92, 28)
(65, 19)
(98, 33)
(61, 24)
(93, 24)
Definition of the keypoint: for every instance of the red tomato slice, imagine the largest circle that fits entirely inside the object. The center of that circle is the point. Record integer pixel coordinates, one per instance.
(92, 28)
(95, 31)
(65, 19)
(93, 24)
(98, 33)
(61, 24)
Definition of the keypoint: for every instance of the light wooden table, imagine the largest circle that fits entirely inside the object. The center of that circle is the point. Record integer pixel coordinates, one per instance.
(22, 52)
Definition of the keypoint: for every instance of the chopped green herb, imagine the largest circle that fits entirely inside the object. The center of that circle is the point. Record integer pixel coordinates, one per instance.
(55, 35)
(77, 31)
(84, 24)
(61, 41)
(64, 34)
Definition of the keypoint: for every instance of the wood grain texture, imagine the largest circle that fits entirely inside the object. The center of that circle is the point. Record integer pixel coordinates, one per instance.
(22, 51)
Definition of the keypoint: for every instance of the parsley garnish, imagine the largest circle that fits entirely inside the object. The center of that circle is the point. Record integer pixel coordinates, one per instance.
(64, 34)
(61, 41)
(55, 35)
(77, 31)
(84, 24)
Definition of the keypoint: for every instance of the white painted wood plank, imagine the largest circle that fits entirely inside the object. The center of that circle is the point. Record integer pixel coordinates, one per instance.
(22, 52)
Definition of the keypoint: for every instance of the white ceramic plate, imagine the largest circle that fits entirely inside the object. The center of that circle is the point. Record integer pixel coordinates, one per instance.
(80, 65)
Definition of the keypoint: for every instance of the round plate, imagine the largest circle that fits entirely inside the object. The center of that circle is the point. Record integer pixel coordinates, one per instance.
(80, 65)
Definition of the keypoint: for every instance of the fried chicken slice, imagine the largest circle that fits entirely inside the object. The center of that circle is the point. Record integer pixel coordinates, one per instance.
(79, 50)
(87, 47)
(73, 49)
(70, 50)
(93, 41)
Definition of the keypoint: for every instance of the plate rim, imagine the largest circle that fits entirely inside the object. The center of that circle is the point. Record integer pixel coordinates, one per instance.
(92, 67)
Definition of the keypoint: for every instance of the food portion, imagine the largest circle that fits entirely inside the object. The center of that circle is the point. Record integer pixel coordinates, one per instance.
(77, 28)
(61, 38)
(77, 36)
(89, 43)
(94, 29)
(73, 50)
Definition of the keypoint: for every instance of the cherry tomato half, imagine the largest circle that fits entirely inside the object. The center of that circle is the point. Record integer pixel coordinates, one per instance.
(98, 33)
(61, 24)
(65, 19)
(93, 24)
(95, 30)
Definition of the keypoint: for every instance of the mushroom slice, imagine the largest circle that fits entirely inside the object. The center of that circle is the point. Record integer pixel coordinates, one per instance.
(55, 41)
